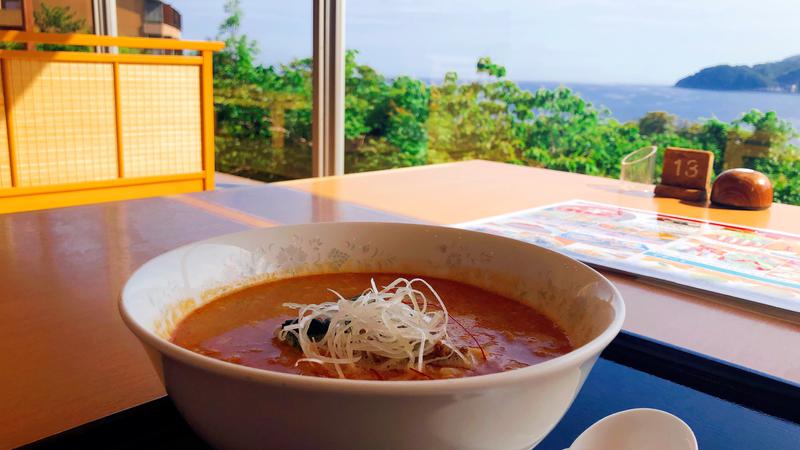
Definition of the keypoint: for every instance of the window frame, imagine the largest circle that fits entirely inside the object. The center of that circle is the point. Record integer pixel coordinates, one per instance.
(328, 88)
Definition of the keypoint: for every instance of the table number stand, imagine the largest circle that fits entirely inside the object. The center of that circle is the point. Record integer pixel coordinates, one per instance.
(686, 174)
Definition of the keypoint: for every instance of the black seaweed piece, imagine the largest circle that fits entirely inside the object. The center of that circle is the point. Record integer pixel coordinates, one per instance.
(316, 330)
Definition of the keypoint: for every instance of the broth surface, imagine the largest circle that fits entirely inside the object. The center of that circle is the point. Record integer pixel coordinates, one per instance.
(241, 327)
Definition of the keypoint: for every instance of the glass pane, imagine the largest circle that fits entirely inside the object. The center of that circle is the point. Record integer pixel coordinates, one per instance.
(63, 16)
(10, 14)
(262, 83)
(573, 85)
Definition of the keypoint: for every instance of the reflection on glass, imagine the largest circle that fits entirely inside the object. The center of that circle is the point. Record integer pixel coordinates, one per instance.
(262, 90)
(10, 14)
(262, 78)
(49, 16)
(638, 168)
(63, 16)
(149, 18)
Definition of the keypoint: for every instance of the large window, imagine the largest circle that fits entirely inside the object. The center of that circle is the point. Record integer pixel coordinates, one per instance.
(569, 86)
(573, 85)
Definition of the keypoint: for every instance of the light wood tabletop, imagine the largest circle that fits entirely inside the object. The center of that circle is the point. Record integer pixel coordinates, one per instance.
(67, 358)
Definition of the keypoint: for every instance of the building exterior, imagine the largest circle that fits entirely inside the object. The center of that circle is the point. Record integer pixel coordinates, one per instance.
(138, 18)
(148, 18)
(10, 14)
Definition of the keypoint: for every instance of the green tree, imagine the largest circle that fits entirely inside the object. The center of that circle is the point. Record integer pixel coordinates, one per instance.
(263, 113)
(59, 19)
(657, 122)
(775, 136)
(467, 122)
(784, 173)
(236, 61)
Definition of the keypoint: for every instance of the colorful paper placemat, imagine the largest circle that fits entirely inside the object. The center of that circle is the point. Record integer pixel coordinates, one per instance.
(752, 264)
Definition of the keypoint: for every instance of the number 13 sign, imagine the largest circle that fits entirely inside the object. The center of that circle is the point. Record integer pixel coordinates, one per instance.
(686, 174)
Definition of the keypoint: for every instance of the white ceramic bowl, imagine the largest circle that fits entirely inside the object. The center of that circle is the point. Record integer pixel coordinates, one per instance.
(637, 429)
(236, 407)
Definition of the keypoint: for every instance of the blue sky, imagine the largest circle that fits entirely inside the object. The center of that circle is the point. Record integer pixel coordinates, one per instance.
(592, 41)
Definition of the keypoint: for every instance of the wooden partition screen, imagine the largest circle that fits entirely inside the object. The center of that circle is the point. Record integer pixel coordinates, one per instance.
(82, 127)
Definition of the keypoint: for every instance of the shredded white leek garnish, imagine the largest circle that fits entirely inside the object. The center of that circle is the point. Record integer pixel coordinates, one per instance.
(390, 328)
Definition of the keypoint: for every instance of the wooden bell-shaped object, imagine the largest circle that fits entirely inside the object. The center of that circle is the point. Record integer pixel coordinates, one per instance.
(742, 188)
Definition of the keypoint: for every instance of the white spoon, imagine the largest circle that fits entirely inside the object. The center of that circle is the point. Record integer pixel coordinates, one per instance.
(637, 429)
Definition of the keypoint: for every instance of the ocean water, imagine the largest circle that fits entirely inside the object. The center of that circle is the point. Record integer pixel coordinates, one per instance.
(630, 102)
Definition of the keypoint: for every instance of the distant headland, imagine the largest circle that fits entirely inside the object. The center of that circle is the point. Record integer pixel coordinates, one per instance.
(781, 76)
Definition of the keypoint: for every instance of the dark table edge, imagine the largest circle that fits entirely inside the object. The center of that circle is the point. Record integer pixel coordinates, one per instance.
(749, 388)
(737, 384)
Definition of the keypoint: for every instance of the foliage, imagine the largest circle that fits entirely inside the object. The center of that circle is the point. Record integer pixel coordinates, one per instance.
(784, 174)
(263, 113)
(59, 19)
(385, 116)
(657, 122)
(264, 122)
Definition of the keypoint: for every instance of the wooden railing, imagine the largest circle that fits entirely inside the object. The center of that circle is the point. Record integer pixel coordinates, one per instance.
(81, 127)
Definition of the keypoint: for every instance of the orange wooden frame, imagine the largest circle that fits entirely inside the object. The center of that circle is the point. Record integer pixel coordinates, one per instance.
(22, 198)
(93, 40)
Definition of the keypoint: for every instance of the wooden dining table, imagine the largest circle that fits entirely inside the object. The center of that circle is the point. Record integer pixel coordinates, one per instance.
(67, 358)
